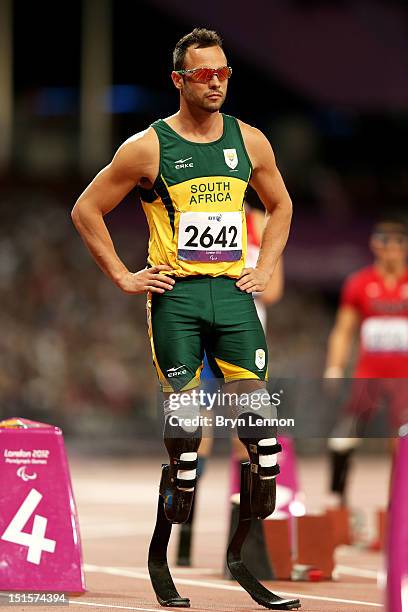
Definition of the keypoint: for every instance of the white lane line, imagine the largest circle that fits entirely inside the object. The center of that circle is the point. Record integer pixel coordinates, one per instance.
(96, 604)
(345, 570)
(115, 571)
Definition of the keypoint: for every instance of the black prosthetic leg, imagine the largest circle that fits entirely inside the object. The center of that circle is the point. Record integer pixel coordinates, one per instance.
(255, 589)
(162, 582)
(176, 495)
(257, 500)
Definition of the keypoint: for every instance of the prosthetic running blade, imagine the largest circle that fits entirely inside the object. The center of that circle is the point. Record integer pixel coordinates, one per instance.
(162, 582)
(255, 589)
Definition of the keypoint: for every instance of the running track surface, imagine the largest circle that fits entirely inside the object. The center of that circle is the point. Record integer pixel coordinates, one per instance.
(117, 501)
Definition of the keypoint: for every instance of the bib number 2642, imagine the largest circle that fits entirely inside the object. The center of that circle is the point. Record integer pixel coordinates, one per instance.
(209, 237)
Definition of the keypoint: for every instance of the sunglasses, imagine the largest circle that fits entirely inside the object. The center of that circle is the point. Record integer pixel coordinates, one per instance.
(204, 75)
(385, 239)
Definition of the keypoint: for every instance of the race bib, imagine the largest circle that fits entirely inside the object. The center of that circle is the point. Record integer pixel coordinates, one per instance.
(386, 334)
(210, 237)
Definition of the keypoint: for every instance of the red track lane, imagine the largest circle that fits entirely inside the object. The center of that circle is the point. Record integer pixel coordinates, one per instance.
(117, 500)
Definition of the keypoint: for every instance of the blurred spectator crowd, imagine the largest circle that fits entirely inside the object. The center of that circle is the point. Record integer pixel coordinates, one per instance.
(72, 346)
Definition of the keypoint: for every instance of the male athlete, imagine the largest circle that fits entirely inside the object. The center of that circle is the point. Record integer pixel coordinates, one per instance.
(192, 170)
(374, 303)
(255, 219)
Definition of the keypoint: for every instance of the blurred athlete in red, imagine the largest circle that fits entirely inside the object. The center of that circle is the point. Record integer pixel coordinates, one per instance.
(374, 302)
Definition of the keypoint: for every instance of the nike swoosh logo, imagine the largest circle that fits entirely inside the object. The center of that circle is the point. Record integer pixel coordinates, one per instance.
(181, 161)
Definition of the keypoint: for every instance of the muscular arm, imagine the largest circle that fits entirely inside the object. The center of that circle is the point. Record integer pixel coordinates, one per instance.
(341, 340)
(274, 289)
(136, 160)
(268, 183)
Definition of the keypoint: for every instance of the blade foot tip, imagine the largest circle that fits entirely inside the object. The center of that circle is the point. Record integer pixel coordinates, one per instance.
(175, 602)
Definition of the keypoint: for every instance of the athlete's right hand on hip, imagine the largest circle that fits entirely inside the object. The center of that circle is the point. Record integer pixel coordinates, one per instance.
(148, 279)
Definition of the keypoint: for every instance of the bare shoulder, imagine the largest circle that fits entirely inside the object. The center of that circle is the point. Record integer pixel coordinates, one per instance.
(258, 146)
(146, 140)
(250, 132)
(139, 155)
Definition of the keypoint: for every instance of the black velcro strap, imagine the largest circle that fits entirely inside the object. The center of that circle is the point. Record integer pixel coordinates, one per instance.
(186, 483)
(273, 449)
(272, 470)
(183, 464)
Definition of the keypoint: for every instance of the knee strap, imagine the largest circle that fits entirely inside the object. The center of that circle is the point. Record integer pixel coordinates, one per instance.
(183, 458)
(182, 439)
(186, 467)
(180, 477)
(262, 447)
(263, 457)
(260, 440)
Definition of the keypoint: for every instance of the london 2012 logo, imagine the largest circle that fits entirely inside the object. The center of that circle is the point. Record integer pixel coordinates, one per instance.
(231, 158)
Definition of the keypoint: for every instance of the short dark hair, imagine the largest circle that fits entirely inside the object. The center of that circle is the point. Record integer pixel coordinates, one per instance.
(200, 38)
(392, 225)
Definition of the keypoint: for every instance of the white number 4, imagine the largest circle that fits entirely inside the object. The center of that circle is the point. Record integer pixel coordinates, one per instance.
(35, 541)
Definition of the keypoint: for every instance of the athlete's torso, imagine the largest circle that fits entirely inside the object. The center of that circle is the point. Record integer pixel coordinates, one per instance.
(195, 209)
(384, 323)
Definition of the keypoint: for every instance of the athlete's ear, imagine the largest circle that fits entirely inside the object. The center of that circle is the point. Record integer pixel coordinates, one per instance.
(375, 246)
(177, 80)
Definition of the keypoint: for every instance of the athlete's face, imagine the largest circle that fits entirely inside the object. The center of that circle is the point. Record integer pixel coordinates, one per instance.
(390, 247)
(207, 96)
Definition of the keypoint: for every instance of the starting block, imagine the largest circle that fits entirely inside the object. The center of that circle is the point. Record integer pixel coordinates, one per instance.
(379, 540)
(40, 547)
(340, 523)
(316, 543)
(306, 541)
(277, 535)
(382, 525)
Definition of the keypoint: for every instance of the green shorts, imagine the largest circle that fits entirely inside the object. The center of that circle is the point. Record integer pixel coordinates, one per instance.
(203, 313)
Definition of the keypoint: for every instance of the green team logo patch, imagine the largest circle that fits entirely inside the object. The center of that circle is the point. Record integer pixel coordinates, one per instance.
(260, 358)
(231, 158)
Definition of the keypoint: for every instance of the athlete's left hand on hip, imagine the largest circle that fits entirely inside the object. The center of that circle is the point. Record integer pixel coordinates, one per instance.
(253, 279)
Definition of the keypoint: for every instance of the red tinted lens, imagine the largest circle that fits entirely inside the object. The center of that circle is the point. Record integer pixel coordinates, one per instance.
(224, 73)
(203, 75)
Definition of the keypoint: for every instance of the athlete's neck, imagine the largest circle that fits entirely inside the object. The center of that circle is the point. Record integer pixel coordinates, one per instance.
(196, 124)
(391, 271)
